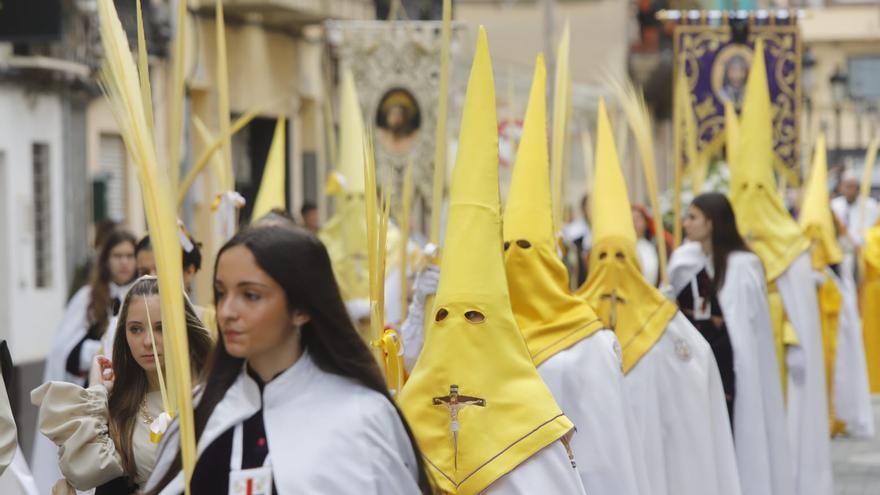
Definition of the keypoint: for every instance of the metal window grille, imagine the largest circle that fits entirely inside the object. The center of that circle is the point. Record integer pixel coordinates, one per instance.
(42, 215)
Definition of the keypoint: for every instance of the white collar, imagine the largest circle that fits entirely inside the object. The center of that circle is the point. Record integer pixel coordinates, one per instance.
(286, 385)
(120, 290)
(684, 264)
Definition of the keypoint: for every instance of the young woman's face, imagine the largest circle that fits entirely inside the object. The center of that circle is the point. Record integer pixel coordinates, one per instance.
(252, 308)
(121, 263)
(137, 333)
(696, 225)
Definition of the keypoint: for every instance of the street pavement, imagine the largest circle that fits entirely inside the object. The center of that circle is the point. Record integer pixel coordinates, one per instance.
(857, 462)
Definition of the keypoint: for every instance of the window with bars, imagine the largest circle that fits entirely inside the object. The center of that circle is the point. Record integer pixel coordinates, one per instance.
(42, 215)
(112, 170)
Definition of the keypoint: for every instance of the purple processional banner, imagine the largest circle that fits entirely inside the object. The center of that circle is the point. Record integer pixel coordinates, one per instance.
(716, 63)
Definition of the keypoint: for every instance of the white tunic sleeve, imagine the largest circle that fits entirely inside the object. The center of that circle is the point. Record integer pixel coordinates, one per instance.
(548, 471)
(75, 419)
(587, 382)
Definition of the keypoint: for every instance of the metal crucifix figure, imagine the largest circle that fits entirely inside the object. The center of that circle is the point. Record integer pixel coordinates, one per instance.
(614, 299)
(455, 402)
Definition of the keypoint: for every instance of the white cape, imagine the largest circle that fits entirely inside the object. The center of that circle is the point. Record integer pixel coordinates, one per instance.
(759, 411)
(809, 438)
(547, 472)
(852, 394)
(326, 434)
(587, 381)
(17, 479)
(680, 416)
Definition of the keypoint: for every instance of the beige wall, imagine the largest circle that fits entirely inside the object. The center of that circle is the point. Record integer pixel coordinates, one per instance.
(599, 33)
(265, 70)
(99, 120)
(833, 35)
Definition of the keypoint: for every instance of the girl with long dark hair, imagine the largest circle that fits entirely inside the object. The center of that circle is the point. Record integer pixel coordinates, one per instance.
(720, 286)
(294, 401)
(103, 432)
(88, 316)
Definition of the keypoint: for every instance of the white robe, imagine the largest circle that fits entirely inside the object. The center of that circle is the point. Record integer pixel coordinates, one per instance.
(71, 330)
(649, 261)
(849, 215)
(326, 434)
(759, 411)
(680, 416)
(809, 438)
(852, 394)
(17, 479)
(547, 472)
(587, 381)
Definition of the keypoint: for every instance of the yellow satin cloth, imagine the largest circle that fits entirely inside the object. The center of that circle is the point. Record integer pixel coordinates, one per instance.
(550, 317)
(636, 311)
(475, 400)
(830, 304)
(870, 302)
(761, 217)
(783, 332)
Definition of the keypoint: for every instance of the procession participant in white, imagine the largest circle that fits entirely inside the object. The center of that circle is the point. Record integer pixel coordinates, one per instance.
(576, 355)
(88, 316)
(294, 401)
(846, 370)
(103, 432)
(773, 235)
(483, 417)
(727, 288)
(673, 384)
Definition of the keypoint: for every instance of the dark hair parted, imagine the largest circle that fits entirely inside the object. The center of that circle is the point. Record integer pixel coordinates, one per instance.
(725, 238)
(192, 258)
(131, 384)
(97, 312)
(299, 263)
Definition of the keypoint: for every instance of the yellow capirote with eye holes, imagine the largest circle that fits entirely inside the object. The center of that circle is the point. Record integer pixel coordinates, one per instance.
(475, 401)
(550, 317)
(636, 311)
(761, 218)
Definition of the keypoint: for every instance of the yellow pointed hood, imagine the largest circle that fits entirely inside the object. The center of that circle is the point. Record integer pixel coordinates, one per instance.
(473, 349)
(550, 317)
(615, 286)
(761, 217)
(351, 136)
(271, 194)
(816, 219)
(345, 234)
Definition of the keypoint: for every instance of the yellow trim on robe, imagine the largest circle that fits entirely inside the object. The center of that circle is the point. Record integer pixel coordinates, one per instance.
(870, 300)
(830, 303)
(783, 332)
